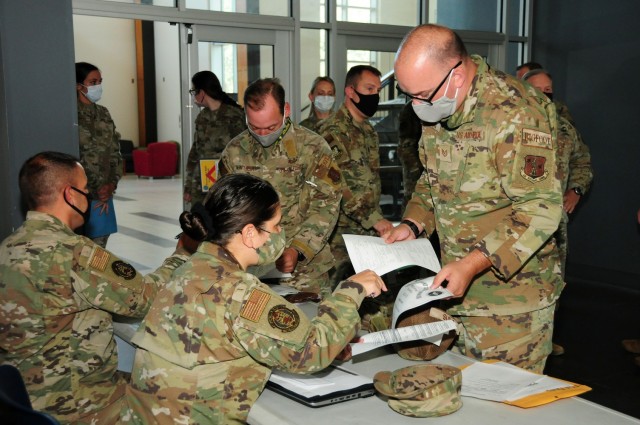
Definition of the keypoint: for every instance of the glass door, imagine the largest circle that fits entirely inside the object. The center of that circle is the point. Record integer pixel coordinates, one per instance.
(238, 56)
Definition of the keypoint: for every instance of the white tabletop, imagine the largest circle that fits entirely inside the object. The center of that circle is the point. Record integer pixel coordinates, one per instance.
(272, 408)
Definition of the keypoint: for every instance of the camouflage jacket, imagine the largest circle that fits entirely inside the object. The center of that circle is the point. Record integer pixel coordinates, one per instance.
(312, 122)
(58, 291)
(355, 149)
(99, 146)
(491, 184)
(563, 111)
(214, 129)
(213, 334)
(301, 169)
(574, 156)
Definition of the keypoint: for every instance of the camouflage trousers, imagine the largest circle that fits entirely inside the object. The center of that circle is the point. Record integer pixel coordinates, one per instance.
(562, 241)
(523, 340)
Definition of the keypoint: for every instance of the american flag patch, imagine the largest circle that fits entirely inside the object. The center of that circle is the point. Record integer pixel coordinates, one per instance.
(255, 305)
(99, 259)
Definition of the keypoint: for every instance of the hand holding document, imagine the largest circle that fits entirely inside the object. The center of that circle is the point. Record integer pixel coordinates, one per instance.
(415, 294)
(373, 253)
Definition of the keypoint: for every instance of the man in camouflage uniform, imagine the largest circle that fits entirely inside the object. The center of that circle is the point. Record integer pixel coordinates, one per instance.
(490, 190)
(409, 133)
(99, 153)
(354, 143)
(298, 163)
(574, 159)
(58, 292)
(214, 129)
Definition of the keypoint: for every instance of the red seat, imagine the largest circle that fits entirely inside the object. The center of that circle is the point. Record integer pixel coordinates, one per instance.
(160, 159)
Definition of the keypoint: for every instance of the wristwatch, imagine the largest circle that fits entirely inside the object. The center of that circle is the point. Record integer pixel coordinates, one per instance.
(577, 190)
(413, 227)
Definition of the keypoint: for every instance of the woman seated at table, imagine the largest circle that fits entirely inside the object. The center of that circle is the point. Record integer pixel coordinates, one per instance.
(208, 343)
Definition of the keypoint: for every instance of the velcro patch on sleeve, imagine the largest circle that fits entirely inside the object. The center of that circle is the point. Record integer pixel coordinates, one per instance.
(536, 138)
(99, 259)
(255, 305)
(284, 318)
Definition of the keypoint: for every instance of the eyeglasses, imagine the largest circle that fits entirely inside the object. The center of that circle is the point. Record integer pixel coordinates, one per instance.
(193, 92)
(276, 229)
(430, 98)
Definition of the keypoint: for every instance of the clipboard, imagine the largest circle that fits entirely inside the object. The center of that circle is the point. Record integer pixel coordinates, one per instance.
(329, 386)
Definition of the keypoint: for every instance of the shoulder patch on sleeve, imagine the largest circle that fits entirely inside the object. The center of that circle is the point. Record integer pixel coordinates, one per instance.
(536, 138)
(99, 259)
(123, 270)
(255, 305)
(534, 168)
(283, 318)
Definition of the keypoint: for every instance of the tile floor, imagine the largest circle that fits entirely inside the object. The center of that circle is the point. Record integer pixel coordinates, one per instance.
(592, 320)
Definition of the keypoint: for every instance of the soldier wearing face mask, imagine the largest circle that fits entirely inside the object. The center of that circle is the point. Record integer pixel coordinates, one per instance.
(58, 294)
(298, 163)
(99, 141)
(322, 96)
(354, 144)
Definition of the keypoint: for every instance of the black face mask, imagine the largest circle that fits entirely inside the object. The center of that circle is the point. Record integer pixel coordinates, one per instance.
(368, 104)
(85, 214)
(549, 95)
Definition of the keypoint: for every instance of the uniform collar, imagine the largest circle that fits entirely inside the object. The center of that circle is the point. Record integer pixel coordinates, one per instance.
(213, 250)
(37, 216)
(467, 113)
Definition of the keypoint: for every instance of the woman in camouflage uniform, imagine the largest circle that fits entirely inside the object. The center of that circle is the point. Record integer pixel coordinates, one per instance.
(213, 334)
(322, 96)
(219, 121)
(99, 141)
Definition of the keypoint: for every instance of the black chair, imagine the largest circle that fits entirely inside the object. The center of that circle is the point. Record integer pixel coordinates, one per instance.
(15, 406)
(126, 150)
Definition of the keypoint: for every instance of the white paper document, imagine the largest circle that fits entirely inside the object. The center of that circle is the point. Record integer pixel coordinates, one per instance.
(415, 294)
(504, 382)
(329, 380)
(371, 252)
(431, 332)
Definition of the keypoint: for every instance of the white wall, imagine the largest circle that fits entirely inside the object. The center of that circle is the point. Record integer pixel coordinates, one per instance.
(109, 44)
(167, 51)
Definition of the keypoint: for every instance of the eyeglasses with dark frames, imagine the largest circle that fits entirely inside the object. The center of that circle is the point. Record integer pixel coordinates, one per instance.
(430, 98)
(193, 92)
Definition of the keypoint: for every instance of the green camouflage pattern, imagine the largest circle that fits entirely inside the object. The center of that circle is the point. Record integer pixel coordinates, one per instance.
(311, 122)
(208, 344)
(355, 149)
(214, 129)
(575, 171)
(409, 133)
(523, 340)
(563, 111)
(422, 391)
(491, 184)
(301, 169)
(99, 146)
(58, 292)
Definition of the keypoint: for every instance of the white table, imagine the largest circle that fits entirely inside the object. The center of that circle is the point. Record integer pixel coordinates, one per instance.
(272, 408)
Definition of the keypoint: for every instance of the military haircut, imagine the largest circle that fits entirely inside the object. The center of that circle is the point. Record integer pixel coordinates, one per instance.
(209, 82)
(233, 201)
(536, 71)
(354, 74)
(318, 80)
(257, 92)
(45, 174)
(82, 70)
(530, 65)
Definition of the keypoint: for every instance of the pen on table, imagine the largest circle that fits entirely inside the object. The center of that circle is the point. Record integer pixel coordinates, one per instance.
(344, 370)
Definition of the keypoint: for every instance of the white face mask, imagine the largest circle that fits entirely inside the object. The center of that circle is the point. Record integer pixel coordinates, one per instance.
(439, 109)
(324, 103)
(94, 93)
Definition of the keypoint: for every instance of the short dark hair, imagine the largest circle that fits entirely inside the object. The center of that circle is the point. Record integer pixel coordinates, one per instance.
(530, 65)
(354, 74)
(256, 93)
(43, 175)
(209, 82)
(536, 71)
(233, 201)
(82, 70)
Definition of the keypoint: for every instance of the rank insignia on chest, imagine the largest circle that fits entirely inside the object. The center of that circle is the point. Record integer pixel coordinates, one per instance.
(124, 270)
(283, 318)
(335, 152)
(444, 153)
(534, 168)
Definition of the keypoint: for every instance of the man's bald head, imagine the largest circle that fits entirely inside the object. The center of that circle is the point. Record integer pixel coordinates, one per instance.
(433, 44)
(44, 176)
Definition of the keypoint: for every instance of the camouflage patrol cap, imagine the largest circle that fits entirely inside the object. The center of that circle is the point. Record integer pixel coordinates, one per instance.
(420, 349)
(422, 391)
